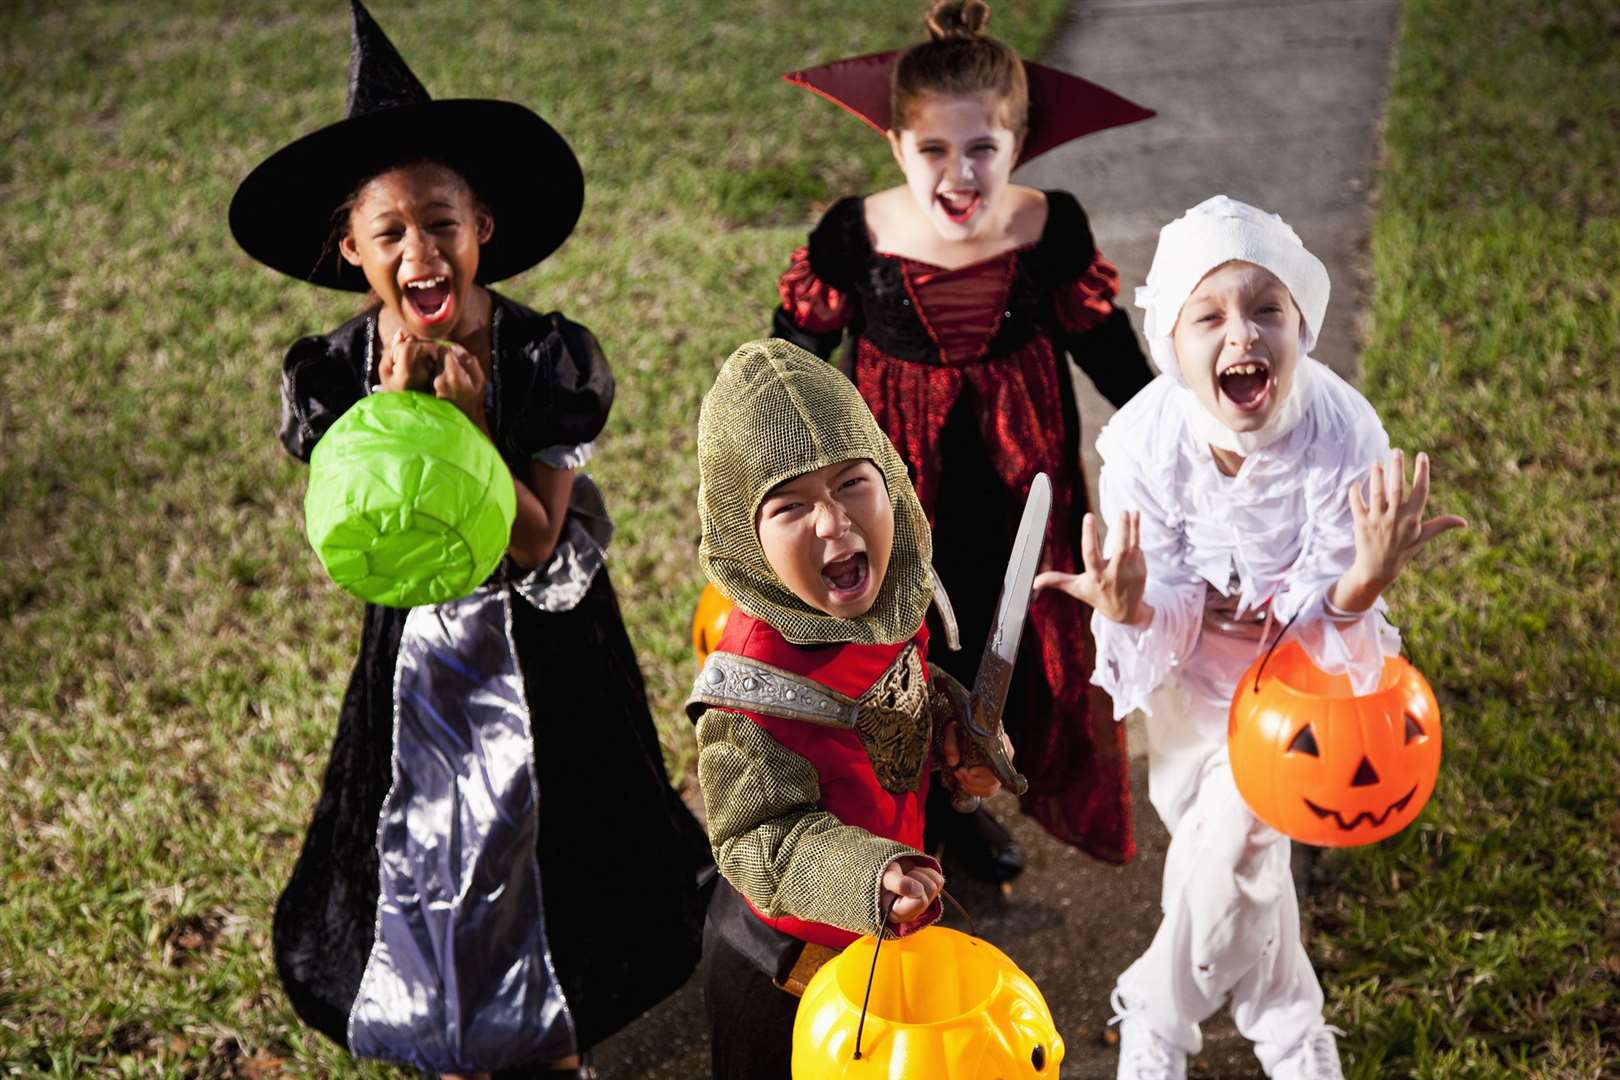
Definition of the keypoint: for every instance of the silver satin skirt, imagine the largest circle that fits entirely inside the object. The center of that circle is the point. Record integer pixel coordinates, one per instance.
(460, 976)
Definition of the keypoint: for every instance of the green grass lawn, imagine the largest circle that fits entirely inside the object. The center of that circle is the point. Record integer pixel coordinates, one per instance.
(171, 655)
(1485, 941)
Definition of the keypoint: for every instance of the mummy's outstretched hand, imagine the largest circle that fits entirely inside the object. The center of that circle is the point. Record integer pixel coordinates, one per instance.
(1115, 586)
(1389, 528)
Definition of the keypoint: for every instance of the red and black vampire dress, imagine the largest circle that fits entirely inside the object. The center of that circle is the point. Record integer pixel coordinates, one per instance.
(964, 370)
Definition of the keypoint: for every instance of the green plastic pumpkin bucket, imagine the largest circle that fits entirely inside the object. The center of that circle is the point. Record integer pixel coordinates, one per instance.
(408, 502)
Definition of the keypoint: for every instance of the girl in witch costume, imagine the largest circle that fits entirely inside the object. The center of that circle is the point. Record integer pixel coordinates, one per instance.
(817, 712)
(457, 905)
(960, 293)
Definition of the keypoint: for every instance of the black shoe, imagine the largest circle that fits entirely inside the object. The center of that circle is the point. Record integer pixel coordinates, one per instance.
(980, 846)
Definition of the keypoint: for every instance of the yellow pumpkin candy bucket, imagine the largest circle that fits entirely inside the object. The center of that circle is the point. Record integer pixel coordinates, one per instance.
(942, 1005)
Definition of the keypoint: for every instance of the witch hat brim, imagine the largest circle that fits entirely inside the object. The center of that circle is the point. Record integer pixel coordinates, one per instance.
(1062, 107)
(517, 164)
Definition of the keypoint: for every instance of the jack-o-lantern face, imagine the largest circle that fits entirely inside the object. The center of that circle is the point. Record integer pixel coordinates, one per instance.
(943, 1004)
(708, 622)
(1325, 766)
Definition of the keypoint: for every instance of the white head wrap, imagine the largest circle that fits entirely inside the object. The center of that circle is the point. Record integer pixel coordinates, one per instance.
(1220, 230)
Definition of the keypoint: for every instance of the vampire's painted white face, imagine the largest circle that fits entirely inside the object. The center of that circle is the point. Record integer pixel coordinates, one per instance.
(957, 159)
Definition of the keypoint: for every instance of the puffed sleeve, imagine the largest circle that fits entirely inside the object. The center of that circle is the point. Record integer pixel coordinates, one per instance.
(774, 843)
(558, 400)
(1098, 334)
(812, 313)
(318, 385)
(817, 297)
(1340, 643)
(1132, 662)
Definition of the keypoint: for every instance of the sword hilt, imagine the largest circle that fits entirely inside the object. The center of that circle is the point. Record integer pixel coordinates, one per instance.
(985, 748)
(977, 751)
(977, 743)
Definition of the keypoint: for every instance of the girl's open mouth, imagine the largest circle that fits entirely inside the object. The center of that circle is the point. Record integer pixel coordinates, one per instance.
(1246, 385)
(430, 298)
(959, 205)
(846, 578)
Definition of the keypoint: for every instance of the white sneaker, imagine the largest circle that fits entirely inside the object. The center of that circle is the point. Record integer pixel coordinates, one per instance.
(1315, 1057)
(1143, 1053)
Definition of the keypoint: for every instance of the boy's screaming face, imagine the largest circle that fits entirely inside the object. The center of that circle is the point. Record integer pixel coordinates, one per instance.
(1237, 341)
(828, 534)
(415, 232)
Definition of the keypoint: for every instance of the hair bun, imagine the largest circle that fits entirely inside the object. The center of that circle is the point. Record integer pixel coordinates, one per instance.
(956, 19)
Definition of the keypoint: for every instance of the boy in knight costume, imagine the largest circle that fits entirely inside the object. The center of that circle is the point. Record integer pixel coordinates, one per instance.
(817, 715)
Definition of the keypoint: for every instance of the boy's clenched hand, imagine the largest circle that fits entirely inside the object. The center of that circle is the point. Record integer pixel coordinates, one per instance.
(915, 884)
(980, 780)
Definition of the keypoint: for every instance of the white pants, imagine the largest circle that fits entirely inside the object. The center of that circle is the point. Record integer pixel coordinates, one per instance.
(1231, 919)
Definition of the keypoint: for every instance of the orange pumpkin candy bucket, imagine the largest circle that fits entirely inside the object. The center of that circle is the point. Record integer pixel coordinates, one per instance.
(1324, 765)
(708, 621)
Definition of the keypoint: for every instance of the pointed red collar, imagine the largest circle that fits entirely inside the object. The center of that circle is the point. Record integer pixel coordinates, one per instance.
(1062, 107)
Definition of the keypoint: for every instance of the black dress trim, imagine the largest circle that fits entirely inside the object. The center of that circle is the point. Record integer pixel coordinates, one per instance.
(553, 387)
(841, 255)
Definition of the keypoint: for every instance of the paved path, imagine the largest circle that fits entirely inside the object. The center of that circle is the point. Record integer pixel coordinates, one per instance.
(1275, 102)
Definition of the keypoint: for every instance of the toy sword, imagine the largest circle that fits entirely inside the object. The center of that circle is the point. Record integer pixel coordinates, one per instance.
(982, 722)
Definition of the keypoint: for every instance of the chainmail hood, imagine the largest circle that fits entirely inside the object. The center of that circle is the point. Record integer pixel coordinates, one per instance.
(776, 412)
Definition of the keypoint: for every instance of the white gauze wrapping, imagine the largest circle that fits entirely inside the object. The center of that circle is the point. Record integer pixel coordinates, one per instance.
(1220, 230)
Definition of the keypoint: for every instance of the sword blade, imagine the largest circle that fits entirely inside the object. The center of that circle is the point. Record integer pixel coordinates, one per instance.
(994, 677)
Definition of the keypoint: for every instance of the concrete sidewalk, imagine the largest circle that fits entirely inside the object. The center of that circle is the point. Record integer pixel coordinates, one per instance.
(1275, 102)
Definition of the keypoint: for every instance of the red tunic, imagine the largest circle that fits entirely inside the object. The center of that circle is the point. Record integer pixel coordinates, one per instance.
(963, 369)
(849, 786)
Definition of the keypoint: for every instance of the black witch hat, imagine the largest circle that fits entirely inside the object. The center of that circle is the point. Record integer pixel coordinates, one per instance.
(525, 173)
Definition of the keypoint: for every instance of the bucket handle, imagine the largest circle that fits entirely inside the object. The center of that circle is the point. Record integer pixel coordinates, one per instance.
(1406, 647)
(883, 924)
(1261, 669)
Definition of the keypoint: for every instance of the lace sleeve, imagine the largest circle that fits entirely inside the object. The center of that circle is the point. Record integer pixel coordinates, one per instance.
(811, 303)
(1083, 304)
(1131, 662)
(1348, 643)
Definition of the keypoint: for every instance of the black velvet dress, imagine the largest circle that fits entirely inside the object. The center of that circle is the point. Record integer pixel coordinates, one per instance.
(607, 814)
